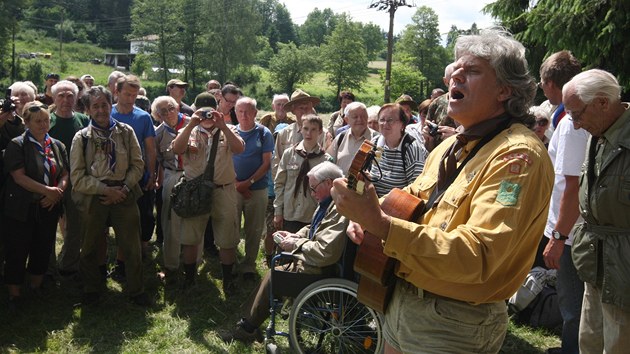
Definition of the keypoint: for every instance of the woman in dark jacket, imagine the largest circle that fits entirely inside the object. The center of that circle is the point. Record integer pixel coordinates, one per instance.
(38, 174)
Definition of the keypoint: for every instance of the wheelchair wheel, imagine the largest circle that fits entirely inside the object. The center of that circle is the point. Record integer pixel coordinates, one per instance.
(327, 318)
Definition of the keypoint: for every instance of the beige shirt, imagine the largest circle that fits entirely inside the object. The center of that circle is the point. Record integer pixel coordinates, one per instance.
(270, 121)
(343, 153)
(290, 207)
(286, 138)
(91, 165)
(163, 140)
(196, 157)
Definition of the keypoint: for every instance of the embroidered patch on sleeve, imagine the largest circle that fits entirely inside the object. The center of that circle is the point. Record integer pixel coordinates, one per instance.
(508, 193)
(518, 156)
(515, 168)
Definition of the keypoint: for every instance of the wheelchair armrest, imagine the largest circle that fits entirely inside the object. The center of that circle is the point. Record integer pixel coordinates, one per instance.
(282, 258)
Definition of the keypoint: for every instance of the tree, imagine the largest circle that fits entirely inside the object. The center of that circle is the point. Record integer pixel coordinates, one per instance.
(232, 36)
(374, 39)
(421, 42)
(405, 80)
(454, 33)
(10, 12)
(293, 66)
(594, 30)
(158, 19)
(344, 56)
(317, 26)
(276, 22)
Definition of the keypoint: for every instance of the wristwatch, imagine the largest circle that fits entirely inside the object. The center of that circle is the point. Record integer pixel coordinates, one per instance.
(558, 236)
(252, 181)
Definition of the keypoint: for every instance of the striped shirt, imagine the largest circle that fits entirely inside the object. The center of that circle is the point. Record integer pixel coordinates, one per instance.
(394, 173)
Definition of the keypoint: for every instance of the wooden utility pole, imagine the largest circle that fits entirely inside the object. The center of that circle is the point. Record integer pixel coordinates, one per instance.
(391, 6)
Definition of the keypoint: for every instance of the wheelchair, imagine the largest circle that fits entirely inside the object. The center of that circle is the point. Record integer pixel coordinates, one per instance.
(325, 316)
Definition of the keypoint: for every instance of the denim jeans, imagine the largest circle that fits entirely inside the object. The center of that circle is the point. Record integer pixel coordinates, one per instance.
(570, 292)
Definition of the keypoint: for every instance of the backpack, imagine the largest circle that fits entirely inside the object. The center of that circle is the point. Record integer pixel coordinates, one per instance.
(536, 302)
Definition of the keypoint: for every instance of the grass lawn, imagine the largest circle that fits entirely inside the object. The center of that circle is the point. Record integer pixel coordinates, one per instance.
(178, 323)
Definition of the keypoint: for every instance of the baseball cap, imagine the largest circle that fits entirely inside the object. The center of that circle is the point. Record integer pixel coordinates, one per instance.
(204, 100)
(176, 82)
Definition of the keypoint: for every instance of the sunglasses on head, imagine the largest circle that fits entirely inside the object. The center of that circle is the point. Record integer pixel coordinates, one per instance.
(542, 122)
(34, 109)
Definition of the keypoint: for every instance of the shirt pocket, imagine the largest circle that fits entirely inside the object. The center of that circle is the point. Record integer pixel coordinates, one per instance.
(451, 201)
(624, 191)
(425, 186)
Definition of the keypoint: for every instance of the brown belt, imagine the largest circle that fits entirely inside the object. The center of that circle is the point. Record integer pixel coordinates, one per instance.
(421, 293)
(111, 183)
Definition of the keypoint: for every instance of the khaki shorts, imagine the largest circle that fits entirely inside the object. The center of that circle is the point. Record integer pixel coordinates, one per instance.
(225, 217)
(421, 322)
(192, 229)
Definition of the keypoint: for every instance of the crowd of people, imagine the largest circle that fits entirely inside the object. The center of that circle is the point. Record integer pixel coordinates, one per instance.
(506, 186)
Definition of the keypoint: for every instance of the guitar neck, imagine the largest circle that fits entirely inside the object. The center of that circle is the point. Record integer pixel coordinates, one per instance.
(361, 161)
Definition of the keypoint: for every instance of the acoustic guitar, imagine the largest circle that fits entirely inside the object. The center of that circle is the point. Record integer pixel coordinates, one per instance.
(377, 280)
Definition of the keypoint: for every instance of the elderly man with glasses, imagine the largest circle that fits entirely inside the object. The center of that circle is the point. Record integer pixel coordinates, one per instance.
(602, 243)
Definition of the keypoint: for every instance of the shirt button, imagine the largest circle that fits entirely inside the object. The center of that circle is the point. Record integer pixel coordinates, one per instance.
(443, 226)
(591, 247)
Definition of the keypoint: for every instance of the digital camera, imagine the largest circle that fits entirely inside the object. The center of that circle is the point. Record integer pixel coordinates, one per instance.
(433, 128)
(7, 104)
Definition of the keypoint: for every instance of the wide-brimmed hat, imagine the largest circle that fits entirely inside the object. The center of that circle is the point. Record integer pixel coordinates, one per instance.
(205, 100)
(299, 96)
(406, 100)
(176, 82)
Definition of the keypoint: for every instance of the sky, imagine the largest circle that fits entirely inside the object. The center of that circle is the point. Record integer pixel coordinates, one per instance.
(461, 13)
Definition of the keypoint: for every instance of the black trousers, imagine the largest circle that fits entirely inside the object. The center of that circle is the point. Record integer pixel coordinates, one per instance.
(33, 239)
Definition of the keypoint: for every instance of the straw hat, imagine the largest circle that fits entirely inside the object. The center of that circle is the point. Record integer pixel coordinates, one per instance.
(299, 96)
(406, 100)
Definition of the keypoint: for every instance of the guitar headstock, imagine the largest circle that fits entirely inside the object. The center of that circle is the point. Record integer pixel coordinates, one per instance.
(362, 159)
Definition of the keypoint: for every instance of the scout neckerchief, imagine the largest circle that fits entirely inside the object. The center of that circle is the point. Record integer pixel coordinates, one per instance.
(448, 171)
(173, 133)
(46, 153)
(558, 115)
(304, 168)
(105, 142)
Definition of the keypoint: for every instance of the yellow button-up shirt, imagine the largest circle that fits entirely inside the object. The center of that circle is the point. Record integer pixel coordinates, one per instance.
(479, 242)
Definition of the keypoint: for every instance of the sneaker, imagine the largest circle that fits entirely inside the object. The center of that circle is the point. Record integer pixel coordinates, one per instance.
(242, 335)
(142, 300)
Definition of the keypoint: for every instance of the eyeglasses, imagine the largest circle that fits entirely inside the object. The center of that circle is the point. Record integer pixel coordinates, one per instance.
(577, 116)
(389, 121)
(165, 111)
(542, 122)
(314, 189)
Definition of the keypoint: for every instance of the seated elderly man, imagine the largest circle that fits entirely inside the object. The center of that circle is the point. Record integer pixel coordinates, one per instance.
(315, 247)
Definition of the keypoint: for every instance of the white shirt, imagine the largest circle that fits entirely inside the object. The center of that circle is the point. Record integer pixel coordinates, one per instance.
(567, 149)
